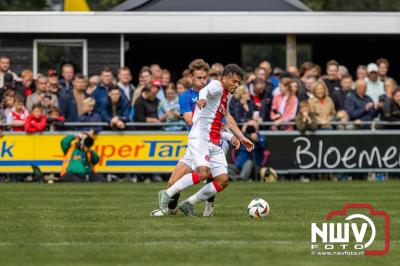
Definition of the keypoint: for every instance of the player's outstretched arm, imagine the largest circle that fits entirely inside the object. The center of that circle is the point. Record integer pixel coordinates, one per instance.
(236, 130)
(233, 126)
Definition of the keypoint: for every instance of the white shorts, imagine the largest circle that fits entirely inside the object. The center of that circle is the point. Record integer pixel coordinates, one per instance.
(205, 153)
(187, 158)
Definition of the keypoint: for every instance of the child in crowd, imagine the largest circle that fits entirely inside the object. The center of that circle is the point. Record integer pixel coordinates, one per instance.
(8, 102)
(18, 115)
(89, 116)
(54, 119)
(36, 121)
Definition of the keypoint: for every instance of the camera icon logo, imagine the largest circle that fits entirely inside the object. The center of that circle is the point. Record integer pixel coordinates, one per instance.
(355, 234)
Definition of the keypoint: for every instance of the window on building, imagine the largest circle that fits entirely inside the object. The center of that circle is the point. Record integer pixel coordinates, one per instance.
(304, 53)
(254, 53)
(52, 54)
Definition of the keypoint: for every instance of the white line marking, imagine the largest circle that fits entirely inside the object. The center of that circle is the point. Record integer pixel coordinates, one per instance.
(151, 243)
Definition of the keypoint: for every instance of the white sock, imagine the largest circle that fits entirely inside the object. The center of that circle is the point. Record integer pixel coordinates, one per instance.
(205, 192)
(183, 183)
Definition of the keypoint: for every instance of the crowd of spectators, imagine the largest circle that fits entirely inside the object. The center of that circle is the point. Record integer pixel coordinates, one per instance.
(304, 98)
(316, 101)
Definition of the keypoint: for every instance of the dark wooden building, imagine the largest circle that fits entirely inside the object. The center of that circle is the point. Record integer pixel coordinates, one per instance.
(146, 32)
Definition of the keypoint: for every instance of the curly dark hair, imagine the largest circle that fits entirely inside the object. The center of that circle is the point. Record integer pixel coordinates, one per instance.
(232, 69)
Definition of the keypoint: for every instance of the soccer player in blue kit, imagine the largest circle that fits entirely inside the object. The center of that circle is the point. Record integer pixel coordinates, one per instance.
(187, 101)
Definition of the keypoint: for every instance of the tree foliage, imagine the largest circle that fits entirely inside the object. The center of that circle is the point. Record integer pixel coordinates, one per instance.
(357, 5)
(38, 5)
(22, 5)
(103, 5)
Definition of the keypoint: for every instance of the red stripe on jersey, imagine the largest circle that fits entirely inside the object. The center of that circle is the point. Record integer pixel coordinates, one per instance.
(218, 188)
(215, 133)
(195, 178)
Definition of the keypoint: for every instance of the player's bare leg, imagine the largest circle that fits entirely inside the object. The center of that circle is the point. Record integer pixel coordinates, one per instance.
(180, 170)
(165, 196)
(207, 191)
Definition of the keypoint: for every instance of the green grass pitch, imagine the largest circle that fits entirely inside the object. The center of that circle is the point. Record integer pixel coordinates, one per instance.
(109, 224)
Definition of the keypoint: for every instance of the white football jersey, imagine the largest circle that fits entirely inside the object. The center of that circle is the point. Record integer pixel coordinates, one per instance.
(208, 120)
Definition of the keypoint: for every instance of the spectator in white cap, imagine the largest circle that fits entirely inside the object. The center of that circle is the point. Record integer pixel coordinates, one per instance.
(375, 86)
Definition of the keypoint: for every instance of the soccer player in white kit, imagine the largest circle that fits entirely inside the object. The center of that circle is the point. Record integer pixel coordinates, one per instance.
(199, 72)
(204, 142)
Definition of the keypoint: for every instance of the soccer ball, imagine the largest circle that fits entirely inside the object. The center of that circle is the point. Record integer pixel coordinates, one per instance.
(258, 208)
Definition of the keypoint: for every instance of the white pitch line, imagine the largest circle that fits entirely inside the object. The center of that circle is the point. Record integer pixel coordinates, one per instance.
(151, 243)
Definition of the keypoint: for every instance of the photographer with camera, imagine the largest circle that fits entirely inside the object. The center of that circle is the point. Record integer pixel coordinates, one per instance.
(79, 160)
(250, 162)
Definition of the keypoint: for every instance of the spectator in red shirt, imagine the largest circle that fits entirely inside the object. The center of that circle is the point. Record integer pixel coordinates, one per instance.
(36, 121)
(18, 115)
(26, 85)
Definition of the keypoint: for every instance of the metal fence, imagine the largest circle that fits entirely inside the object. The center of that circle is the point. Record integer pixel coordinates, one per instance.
(373, 125)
